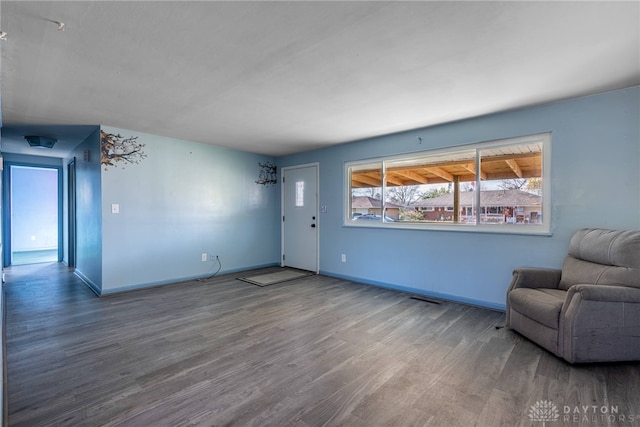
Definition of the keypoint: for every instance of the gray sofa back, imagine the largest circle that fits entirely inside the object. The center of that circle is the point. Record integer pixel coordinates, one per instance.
(602, 257)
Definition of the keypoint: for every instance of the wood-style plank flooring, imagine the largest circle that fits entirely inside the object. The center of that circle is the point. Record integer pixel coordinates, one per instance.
(312, 352)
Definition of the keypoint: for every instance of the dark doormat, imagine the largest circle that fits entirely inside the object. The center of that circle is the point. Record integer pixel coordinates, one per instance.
(284, 275)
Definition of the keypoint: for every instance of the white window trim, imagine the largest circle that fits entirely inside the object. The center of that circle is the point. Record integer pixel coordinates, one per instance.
(528, 229)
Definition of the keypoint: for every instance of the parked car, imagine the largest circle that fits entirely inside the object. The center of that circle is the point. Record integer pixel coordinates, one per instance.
(370, 217)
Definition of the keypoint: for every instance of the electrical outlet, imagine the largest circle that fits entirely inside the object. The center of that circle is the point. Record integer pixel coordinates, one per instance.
(213, 257)
(204, 257)
(344, 258)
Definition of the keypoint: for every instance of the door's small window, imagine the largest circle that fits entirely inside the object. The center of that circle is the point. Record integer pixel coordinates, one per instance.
(299, 194)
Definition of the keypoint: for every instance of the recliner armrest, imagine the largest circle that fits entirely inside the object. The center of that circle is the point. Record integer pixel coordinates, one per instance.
(599, 323)
(529, 277)
(605, 293)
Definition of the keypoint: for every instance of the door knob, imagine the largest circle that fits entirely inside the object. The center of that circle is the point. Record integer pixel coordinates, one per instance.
(313, 226)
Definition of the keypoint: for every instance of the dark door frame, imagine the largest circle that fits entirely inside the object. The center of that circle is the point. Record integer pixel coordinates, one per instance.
(71, 212)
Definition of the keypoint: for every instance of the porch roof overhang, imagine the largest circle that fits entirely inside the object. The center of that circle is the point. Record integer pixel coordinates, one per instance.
(496, 164)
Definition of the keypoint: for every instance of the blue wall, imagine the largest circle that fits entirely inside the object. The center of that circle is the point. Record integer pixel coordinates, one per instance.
(595, 183)
(182, 200)
(88, 210)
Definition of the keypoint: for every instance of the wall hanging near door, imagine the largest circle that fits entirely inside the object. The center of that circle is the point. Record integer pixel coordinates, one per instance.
(115, 148)
(268, 174)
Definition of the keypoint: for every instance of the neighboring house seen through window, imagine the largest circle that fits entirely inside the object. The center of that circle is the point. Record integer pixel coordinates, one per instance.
(497, 185)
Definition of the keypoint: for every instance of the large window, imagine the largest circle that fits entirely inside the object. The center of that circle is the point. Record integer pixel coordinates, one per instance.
(490, 186)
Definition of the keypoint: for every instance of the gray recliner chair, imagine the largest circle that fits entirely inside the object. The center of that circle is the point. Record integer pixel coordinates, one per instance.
(590, 310)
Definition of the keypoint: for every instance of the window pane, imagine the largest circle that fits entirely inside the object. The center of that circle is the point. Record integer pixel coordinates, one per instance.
(423, 189)
(366, 192)
(486, 186)
(299, 194)
(511, 186)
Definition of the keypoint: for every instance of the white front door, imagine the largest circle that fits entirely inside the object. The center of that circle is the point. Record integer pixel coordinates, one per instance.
(300, 217)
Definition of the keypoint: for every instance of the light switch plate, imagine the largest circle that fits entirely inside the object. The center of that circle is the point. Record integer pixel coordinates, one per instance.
(115, 208)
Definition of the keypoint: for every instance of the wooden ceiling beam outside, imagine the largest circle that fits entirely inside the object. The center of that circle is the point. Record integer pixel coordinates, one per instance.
(504, 157)
(500, 158)
(508, 166)
(421, 179)
(441, 173)
(471, 167)
(392, 179)
(364, 179)
(511, 175)
(514, 167)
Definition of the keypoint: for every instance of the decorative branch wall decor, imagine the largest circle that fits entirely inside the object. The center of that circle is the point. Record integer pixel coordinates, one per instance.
(268, 174)
(116, 148)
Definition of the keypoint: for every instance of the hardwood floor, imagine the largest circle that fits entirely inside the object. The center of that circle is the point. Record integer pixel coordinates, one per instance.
(316, 351)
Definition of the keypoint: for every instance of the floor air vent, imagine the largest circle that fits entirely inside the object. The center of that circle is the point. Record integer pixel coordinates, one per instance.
(425, 299)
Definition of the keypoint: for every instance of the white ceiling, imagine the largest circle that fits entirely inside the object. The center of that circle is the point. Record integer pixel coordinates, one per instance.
(283, 77)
